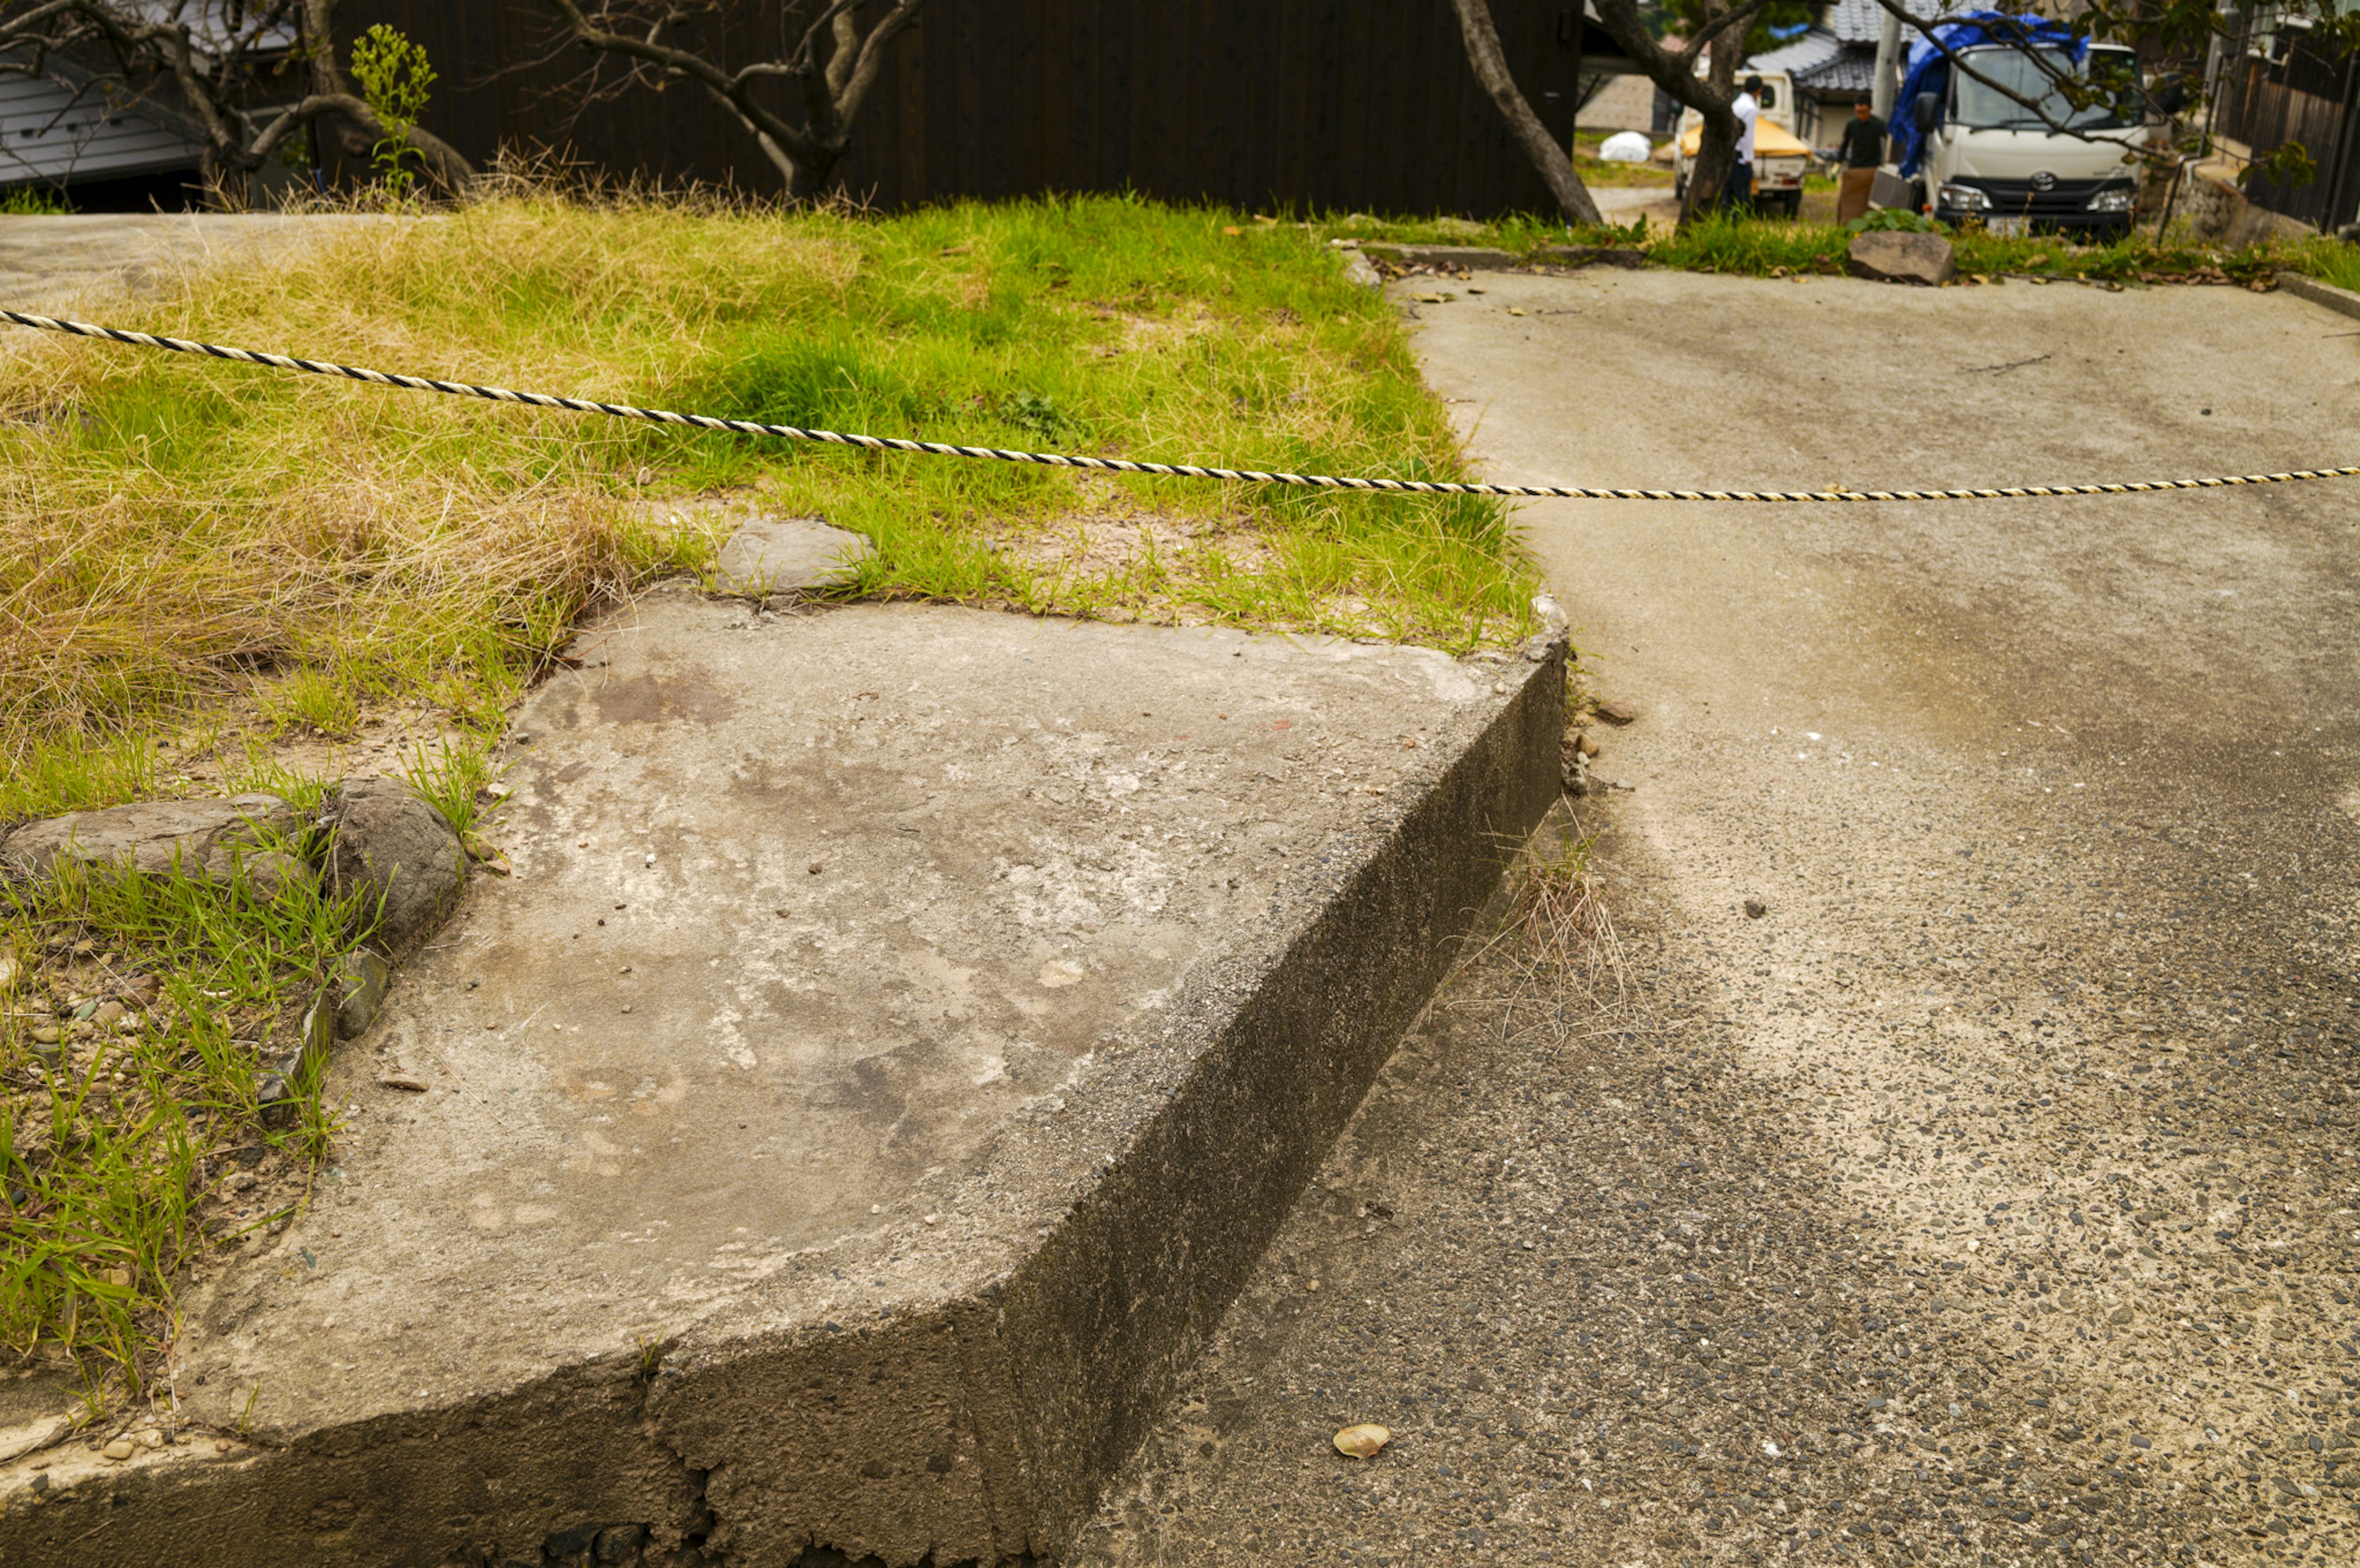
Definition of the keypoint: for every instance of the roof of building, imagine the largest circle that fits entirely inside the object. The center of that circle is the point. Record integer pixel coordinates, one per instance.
(1815, 47)
(1854, 71)
(53, 134)
(1859, 21)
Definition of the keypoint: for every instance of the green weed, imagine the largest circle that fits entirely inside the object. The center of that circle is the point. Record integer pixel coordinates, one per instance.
(32, 201)
(454, 781)
(258, 771)
(130, 1054)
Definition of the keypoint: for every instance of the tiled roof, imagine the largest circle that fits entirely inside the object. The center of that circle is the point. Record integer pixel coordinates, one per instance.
(51, 136)
(1859, 21)
(1854, 71)
(1815, 47)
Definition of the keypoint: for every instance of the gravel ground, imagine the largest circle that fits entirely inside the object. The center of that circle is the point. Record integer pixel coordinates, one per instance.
(1990, 1197)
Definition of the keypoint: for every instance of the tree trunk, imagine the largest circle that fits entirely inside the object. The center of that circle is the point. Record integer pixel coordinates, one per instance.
(1555, 166)
(1710, 95)
(1717, 148)
(813, 173)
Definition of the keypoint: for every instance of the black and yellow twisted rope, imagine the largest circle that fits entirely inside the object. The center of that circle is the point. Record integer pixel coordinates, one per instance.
(1124, 465)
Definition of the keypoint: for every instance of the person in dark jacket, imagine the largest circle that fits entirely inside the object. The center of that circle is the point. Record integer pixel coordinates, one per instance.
(1860, 152)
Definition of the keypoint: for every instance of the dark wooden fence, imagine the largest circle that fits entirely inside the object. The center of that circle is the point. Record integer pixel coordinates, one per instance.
(1309, 104)
(2297, 95)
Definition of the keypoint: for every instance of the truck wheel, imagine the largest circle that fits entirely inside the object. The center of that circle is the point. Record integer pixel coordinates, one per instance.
(1792, 204)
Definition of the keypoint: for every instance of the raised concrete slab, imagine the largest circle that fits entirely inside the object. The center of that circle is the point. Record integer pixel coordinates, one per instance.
(903, 1030)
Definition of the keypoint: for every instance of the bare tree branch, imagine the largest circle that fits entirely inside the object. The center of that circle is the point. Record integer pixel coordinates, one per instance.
(1553, 162)
(1712, 95)
(831, 91)
(201, 64)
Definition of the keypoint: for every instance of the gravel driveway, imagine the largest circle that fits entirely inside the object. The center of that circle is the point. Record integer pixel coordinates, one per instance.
(1990, 1198)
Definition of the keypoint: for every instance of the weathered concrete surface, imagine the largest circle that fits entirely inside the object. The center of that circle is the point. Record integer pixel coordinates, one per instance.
(49, 262)
(901, 1031)
(1989, 1200)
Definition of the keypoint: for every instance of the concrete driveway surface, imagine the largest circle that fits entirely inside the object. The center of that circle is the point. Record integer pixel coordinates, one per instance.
(50, 264)
(1990, 1199)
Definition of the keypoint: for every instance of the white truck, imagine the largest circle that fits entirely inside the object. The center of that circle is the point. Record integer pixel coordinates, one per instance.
(1985, 156)
(1780, 158)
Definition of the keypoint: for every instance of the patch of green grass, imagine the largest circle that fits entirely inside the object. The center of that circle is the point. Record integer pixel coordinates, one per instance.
(1760, 246)
(185, 540)
(260, 771)
(135, 1029)
(1772, 247)
(455, 780)
(32, 201)
(2327, 259)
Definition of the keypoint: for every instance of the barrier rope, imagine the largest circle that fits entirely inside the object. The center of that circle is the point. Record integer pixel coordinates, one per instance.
(1123, 465)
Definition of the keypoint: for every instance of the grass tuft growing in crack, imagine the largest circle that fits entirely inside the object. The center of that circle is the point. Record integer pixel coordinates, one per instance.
(1554, 930)
(137, 1019)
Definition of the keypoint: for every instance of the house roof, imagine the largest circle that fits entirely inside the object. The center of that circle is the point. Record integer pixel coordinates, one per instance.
(1854, 21)
(1854, 71)
(1859, 21)
(1815, 47)
(51, 134)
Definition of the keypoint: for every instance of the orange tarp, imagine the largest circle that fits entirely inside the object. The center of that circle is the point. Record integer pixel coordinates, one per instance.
(1771, 139)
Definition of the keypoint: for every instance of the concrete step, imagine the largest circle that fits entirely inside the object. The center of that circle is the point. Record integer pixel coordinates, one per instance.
(902, 1030)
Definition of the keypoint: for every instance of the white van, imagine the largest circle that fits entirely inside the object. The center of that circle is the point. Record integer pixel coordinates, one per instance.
(1989, 158)
(1779, 159)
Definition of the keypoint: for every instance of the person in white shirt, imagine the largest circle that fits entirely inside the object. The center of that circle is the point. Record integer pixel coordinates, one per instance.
(1737, 195)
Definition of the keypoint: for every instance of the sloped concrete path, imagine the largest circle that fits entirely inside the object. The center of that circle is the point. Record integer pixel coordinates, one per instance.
(1990, 1198)
(900, 1031)
(51, 264)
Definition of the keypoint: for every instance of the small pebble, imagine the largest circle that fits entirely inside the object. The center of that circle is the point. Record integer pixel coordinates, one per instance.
(119, 1450)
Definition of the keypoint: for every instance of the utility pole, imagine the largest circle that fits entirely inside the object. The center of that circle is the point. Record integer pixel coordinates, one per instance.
(1888, 57)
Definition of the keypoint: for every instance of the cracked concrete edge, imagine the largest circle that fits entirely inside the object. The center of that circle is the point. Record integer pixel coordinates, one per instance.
(980, 1429)
(2304, 286)
(1102, 1320)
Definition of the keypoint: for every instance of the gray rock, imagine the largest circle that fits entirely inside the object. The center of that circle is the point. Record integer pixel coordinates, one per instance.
(208, 840)
(398, 851)
(772, 557)
(1890, 256)
(1358, 269)
(362, 978)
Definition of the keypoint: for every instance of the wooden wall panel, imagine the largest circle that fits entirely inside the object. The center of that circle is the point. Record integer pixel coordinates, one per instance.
(1309, 104)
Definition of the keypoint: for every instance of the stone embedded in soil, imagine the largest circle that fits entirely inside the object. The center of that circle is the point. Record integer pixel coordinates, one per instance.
(210, 841)
(399, 851)
(770, 557)
(1891, 256)
(362, 978)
